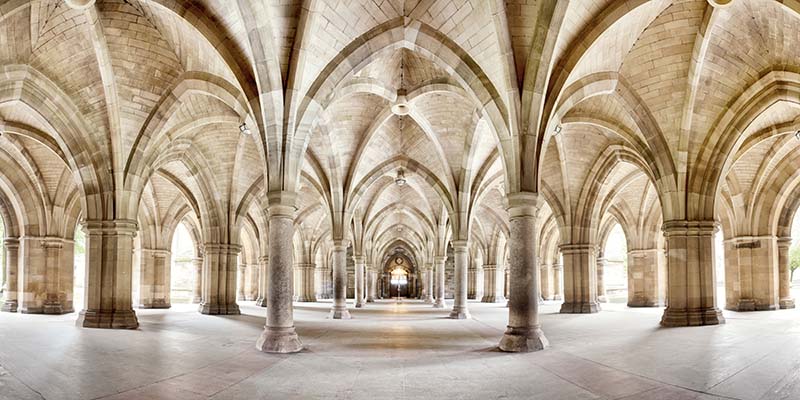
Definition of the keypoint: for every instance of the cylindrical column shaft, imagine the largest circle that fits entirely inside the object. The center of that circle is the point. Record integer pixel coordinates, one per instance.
(359, 271)
(197, 276)
(785, 273)
(12, 264)
(279, 335)
(438, 266)
(339, 309)
(461, 261)
(263, 264)
(524, 332)
(601, 283)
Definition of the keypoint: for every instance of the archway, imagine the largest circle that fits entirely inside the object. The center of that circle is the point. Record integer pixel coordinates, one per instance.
(182, 269)
(399, 277)
(3, 283)
(613, 263)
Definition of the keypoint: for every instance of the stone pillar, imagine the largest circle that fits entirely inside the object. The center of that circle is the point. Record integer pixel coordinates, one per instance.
(558, 271)
(339, 308)
(154, 278)
(109, 255)
(56, 296)
(691, 297)
(304, 292)
(492, 286)
(197, 275)
(12, 264)
(786, 300)
(646, 278)
(479, 285)
(546, 279)
(279, 335)
(359, 281)
(524, 332)
(220, 270)
(471, 280)
(580, 279)
(752, 273)
(601, 284)
(263, 265)
(253, 271)
(372, 287)
(461, 261)
(429, 283)
(438, 266)
(241, 277)
(32, 274)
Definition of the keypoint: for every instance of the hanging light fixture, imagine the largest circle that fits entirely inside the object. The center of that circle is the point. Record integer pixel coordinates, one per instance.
(400, 180)
(797, 134)
(401, 107)
(244, 129)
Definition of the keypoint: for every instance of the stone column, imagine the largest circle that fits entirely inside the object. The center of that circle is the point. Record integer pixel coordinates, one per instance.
(279, 335)
(786, 300)
(546, 279)
(646, 278)
(691, 297)
(197, 276)
(12, 292)
(461, 262)
(305, 285)
(438, 266)
(253, 270)
(580, 279)
(471, 278)
(220, 269)
(558, 270)
(339, 308)
(154, 278)
(372, 287)
(601, 283)
(241, 277)
(524, 332)
(752, 273)
(263, 265)
(479, 284)
(429, 283)
(56, 296)
(492, 286)
(359, 281)
(109, 254)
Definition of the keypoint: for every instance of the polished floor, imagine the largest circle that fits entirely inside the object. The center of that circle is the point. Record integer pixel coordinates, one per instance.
(401, 350)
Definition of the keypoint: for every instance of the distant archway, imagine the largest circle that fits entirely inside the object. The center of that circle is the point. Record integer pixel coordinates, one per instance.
(79, 269)
(182, 274)
(614, 265)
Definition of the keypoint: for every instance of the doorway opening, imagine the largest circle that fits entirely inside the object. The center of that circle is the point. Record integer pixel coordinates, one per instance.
(615, 266)
(182, 274)
(79, 269)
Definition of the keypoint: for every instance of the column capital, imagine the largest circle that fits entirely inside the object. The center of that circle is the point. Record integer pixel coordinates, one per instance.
(690, 228)
(720, 3)
(360, 259)
(263, 259)
(305, 265)
(460, 245)
(439, 259)
(577, 248)
(222, 248)
(281, 204)
(156, 252)
(79, 4)
(11, 242)
(115, 226)
(340, 244)
(522, 204)
(784, 242)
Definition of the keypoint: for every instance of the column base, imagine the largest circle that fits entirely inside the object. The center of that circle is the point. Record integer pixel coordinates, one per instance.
(121, 319)
(157, 304)
(197, 300)
(493, 299)
(53, 308)
(523, 340)
(787, 303)
(359, 305)
(460, 313)
(644, 303)
(580, 308)
(602, 299)
(31, 310)
(429, 300)
(219, 309)
(279, 340)
(683, 317)
(9, 306)
(369, 300)
(303, 299)
(558, 297)
(339, 313)
(261, 301)
(438, 303)
(241, 297)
